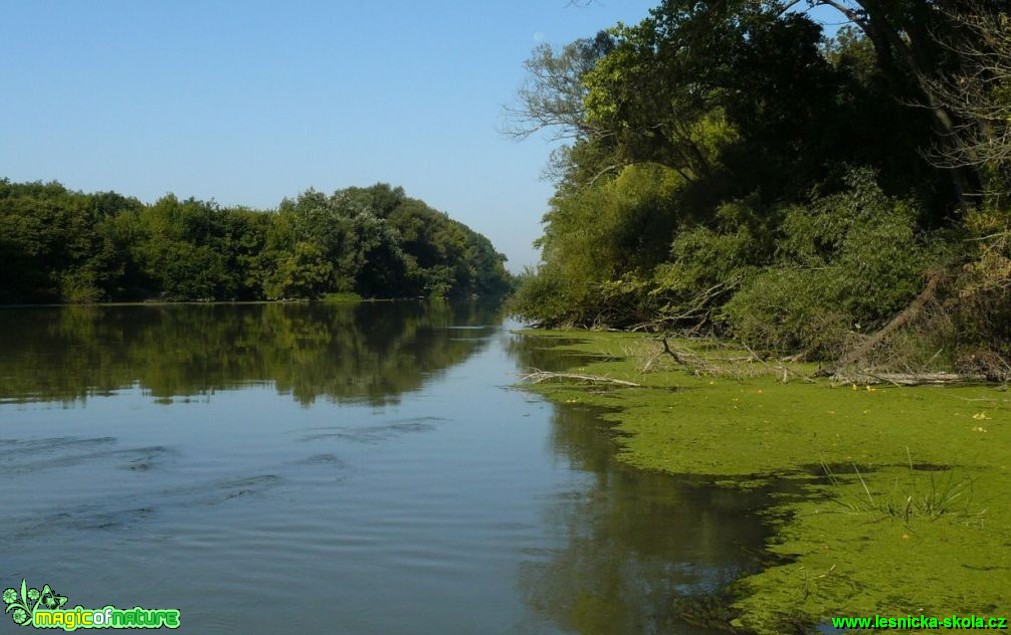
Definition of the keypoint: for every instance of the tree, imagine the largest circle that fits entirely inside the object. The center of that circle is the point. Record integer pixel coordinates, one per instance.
(752, 112)
(552, 98)
(908, 38)
(342, 228)
(306, 273)
(979, 94)
(62, 246)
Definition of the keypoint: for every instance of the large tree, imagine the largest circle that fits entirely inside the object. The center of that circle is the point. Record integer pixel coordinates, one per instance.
(917, 41)
(978, 93)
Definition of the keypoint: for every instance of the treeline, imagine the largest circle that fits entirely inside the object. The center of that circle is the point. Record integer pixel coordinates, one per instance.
(732, 170)
(58, 245)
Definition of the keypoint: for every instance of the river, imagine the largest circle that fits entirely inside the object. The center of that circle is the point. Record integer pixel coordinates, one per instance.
(370, 468)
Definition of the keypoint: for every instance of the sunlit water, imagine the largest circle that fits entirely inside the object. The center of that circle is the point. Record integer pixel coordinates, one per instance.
(300, 469)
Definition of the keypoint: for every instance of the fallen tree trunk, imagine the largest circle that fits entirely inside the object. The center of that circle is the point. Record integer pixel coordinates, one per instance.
(906, 379)
(904, 317)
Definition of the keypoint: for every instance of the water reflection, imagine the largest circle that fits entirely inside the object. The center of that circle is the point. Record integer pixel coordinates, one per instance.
(371, 352)
(645, 552)
(462, 507)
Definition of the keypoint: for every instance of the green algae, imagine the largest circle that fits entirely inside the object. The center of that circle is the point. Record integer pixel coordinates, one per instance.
(905, 491)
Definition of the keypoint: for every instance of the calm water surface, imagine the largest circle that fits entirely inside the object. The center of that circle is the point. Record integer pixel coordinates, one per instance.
(335, 469)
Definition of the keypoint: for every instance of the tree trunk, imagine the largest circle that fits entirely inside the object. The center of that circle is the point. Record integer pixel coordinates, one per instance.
(904, 317)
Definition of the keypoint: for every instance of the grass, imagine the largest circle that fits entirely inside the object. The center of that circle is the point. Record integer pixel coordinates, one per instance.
(921, 494)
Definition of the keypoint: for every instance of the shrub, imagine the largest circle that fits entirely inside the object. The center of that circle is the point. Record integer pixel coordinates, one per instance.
(982, 308)
(847, 262)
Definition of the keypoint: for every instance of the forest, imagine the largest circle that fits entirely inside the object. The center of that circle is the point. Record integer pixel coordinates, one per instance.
(63, 246)
(730, 169)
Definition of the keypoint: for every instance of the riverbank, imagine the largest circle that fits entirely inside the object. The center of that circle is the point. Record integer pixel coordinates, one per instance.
(904, 496)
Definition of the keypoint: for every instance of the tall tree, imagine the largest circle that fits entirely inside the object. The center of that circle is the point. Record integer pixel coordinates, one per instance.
(908, 38)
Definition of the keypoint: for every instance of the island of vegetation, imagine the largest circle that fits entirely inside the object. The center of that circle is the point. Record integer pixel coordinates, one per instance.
(62, 246)
(769, 233)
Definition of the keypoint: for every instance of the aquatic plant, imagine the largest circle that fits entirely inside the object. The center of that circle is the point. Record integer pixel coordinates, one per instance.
(909, 499)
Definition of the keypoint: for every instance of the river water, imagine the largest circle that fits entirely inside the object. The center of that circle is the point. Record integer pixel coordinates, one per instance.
(336, 469)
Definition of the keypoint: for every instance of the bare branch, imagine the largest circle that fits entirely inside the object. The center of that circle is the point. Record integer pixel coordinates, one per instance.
(979, 95)
(536, 376)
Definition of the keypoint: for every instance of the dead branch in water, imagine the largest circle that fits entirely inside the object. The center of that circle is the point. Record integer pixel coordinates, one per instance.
(678, 357)
(735, 366)
(906, 379)
(778, 369)
(681, 357)
(536, 376)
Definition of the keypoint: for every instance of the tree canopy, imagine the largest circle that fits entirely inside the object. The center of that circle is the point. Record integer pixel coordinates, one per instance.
(59, 245)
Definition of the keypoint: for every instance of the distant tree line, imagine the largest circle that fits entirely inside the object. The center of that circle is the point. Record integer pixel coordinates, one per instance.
(58, 245)
(729, 169)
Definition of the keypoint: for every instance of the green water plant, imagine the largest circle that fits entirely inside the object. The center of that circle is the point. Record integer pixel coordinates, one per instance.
(921, 494)
(924, 533)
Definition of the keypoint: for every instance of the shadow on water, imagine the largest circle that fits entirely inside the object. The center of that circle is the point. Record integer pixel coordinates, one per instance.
(646, 552)
(369, 352)
(548, 354)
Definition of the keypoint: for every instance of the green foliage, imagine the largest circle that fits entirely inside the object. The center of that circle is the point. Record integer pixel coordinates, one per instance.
(63, 246)
(342, 298)
(708, 263)
(624, 224)
(600, 243)
(804, 212)
(336, 237)
(183, 249)
(848, 261)
(539, 297)
(57, 242)
(440, 256)
(685, 197)
(306, 273)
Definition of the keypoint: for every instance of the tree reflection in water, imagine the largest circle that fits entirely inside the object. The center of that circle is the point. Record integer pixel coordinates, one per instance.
(637, 544)
(369, 352)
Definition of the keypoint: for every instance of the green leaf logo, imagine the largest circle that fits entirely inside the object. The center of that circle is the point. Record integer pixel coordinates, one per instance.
(23, 603)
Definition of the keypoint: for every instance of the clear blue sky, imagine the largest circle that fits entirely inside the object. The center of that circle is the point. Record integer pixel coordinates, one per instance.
(248, 102)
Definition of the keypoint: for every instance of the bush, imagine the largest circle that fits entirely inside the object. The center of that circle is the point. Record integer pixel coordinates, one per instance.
(710, 264)
(540, 298)
(847, 263)
(982, 308)
(600, 247)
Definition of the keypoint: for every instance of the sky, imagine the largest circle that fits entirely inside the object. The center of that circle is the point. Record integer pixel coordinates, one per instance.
(246, 103)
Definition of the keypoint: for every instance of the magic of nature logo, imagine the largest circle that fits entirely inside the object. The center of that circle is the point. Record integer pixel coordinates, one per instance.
(29, 606)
